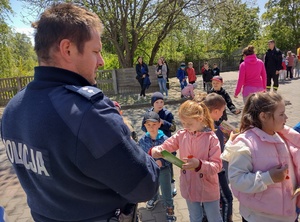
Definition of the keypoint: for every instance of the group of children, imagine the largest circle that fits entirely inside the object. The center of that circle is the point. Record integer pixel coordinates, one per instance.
(187, 78)
(290, 67)
(261, 160)
(159, 123)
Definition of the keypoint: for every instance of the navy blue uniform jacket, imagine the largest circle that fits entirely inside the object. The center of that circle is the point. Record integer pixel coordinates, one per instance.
(71, 150)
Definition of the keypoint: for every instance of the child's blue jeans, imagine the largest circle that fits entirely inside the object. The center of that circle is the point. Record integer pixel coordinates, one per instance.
(212, 210)
(165, 186)
(183, 84)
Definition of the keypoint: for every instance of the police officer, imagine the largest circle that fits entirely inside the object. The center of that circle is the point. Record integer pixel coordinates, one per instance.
(67, 143)
(273, 60)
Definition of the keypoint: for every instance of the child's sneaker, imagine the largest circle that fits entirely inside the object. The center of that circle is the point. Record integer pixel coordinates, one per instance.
(174, 191)
(170, 214)
(151, 204)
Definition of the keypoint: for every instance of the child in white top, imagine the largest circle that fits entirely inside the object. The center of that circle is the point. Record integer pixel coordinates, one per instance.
(264, 162)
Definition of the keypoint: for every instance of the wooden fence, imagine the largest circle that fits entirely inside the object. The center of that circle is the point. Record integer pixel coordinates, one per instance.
(120, 81)
(127, 83)
(10, 86)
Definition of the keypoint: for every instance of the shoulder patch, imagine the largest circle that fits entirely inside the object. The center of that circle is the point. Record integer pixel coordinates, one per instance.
(91, 93)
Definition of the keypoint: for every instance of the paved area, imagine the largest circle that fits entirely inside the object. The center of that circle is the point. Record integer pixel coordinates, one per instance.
(13, 198)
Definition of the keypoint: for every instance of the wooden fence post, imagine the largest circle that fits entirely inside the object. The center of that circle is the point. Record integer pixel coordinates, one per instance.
(18, 84)
(114, 80)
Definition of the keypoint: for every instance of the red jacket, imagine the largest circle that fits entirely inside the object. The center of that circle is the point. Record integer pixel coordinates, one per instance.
(191, 74)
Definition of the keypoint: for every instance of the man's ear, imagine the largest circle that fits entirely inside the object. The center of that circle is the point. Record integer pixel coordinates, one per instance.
(65, 48)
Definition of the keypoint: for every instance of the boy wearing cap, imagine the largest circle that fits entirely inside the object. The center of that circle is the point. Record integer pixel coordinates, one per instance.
(155, 137)
(166, 117)
(181, 76)
(168, 125)
(217, 83)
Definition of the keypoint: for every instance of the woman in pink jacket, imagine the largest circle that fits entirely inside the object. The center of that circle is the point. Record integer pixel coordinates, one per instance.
(252, 75)
(264, 168)
(200, 149)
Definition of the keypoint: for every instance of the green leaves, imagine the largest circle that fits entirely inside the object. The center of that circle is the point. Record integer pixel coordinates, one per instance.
(282, 21)
(17, 57)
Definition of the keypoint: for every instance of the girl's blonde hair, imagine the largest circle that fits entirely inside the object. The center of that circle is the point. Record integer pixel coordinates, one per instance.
(193, 110)
(257, 103)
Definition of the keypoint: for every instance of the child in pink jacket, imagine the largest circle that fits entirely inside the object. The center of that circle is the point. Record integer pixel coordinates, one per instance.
(252, 75)
(188, 91)
(264, 168)
(200, 149)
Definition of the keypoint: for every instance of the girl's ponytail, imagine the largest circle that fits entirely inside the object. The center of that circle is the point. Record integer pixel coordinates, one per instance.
(206, 116)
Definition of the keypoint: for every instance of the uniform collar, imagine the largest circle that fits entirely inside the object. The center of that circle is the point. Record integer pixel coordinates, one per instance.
(54, 74)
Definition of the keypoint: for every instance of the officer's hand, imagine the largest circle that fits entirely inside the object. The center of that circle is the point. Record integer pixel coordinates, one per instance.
(156, 152)
(278, 173)
(277, 72)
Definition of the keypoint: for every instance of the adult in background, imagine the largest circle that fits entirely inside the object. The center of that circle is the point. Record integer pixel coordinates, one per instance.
(252, 74)
(161, 73)
(168, 72)
(273, 59)
(142, 75)
(67, 142)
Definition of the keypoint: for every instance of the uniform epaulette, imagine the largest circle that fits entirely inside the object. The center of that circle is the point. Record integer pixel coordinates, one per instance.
(91, 93)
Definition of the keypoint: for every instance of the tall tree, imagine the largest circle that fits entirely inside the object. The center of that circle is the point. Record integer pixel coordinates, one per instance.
(128, 23)
(17, 57)
(235, 24)
(282, 21)
(4, 9)
(5, 34)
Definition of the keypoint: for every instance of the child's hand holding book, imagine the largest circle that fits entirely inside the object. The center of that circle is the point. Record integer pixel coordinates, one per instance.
(191, 163)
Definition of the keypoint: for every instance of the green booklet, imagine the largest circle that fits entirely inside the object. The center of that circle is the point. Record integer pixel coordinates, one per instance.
(171, 158)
